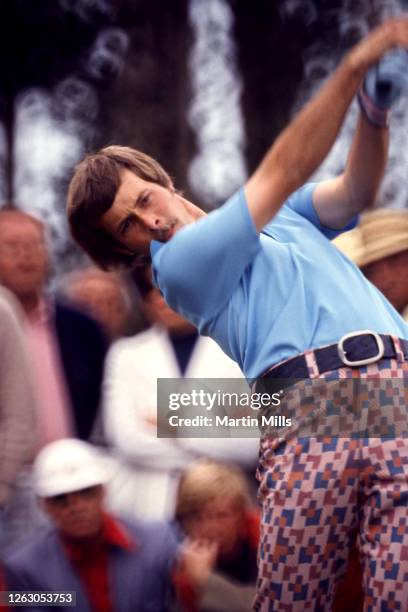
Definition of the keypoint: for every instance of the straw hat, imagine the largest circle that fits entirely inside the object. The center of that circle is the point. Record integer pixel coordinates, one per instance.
(380, 234)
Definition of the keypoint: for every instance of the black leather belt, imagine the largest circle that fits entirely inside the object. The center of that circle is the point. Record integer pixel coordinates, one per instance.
(353, 350)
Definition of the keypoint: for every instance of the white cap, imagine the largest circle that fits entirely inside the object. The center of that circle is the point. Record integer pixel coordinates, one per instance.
(68, 465)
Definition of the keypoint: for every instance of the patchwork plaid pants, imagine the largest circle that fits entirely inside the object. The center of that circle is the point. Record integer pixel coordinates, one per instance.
(340, 468)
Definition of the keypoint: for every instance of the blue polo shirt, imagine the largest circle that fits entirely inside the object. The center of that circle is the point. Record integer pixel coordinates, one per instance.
(267, 297)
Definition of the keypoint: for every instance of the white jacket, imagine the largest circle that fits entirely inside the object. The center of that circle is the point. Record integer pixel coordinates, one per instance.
(145, 485)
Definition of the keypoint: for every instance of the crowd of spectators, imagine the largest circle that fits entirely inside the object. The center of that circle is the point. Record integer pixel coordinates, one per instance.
(91, 499)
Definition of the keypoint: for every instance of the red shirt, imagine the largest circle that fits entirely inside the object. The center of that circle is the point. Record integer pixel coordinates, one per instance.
(90, 561)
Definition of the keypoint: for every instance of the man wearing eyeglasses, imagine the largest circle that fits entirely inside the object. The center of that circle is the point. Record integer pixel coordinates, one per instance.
(109, 564)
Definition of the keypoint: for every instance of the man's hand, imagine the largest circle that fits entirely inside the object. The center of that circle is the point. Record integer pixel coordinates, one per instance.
(162, 427)
(303, 145)
(338, 200)
(386, 80)
(198, 559)
(385, 37)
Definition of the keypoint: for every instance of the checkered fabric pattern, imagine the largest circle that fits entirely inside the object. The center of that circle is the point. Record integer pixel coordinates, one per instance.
(341, 468)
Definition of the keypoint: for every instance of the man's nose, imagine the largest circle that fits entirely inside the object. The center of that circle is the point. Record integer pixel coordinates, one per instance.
(27, 252)
(24, 256)
(153, 222)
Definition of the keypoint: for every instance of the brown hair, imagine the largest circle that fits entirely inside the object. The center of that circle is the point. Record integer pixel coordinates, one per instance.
(205, 480)
(91, 193)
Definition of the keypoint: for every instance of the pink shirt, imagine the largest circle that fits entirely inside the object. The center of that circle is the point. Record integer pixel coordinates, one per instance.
(53, 404)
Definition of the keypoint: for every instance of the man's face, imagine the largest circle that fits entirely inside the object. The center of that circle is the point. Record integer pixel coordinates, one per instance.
(78, 514)
(219, 521)
(142, 212)
(23, 256)
(103, 299)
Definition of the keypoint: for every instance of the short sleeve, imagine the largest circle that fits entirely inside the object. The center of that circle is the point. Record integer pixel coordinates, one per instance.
(302, 203)
(199, 268)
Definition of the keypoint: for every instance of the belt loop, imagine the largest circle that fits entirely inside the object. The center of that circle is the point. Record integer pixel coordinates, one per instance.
(311, 364)
(399, 352)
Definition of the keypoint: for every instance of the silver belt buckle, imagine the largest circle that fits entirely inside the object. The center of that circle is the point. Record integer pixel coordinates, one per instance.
(361, 362)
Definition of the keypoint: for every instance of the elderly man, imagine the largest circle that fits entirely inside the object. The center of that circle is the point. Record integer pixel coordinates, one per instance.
(108, 563)
(66, 348)
(260, 276)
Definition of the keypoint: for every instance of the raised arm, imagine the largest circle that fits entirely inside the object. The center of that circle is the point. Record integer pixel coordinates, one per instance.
(339, 199)
(303, 145)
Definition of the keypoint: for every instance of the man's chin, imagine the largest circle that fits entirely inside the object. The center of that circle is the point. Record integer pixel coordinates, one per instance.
(168, 234)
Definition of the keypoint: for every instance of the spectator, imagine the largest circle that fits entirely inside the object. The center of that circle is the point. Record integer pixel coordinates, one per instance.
(219, 566)
(171, 348)
(104, 295)
(17, 425)
(110, 564)
(379, 246)
(66, 348)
